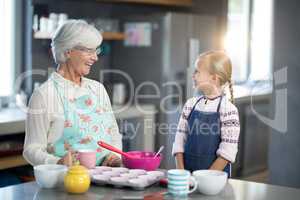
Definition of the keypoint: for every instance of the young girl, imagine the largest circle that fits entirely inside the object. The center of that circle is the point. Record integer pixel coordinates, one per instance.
(208, 129)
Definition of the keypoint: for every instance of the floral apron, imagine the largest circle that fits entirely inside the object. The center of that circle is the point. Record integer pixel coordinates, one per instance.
(86, 122)
(204, 138)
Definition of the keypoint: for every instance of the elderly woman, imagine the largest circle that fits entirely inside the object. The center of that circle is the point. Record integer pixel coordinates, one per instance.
(70, 112)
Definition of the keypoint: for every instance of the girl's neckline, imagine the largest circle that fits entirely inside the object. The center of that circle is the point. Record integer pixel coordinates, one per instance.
(211, 98)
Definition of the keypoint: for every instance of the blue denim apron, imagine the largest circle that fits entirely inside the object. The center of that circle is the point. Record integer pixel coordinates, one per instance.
(86, 122)
(203, 140)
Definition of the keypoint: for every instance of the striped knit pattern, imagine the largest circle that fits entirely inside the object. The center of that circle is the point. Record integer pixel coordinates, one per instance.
(230, 126)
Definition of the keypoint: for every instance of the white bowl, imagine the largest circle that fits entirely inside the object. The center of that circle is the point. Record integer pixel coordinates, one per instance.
(210, 182)
(50, 175)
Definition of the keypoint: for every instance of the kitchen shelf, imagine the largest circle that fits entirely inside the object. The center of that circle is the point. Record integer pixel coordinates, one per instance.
(106, 35)
(113, 36)
(12, 161)
(184, 3)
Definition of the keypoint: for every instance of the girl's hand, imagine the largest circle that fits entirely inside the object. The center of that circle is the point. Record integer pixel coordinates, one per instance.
(112, 160)
(219, 164)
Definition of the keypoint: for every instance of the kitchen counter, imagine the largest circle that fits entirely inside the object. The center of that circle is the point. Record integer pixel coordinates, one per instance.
(255, 92)
(234, 190)
(12, 120)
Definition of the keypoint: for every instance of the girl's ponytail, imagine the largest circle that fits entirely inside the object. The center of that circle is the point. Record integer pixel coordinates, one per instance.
(220, 64)
(231, 91)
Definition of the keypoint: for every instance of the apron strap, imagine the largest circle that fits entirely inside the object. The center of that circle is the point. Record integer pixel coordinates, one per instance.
(64, 99)
(194, 107)
(61, 97)
(218, 109)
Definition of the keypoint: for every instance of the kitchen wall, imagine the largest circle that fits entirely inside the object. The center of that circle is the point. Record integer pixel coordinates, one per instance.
(41, 54)
(284, 151)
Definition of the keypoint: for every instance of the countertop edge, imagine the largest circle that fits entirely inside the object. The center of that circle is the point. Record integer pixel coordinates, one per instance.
(12, 120)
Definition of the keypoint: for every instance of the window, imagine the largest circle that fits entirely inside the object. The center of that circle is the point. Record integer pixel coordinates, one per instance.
(237, 37)
(248, 39)
(261, 40)
(7, 49)
(11, 45)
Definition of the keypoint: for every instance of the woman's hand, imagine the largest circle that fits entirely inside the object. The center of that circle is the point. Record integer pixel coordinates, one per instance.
(112, 160)
(68, 159)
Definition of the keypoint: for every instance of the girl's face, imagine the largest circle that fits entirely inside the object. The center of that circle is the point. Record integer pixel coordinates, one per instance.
(203, 80)
(81, 59)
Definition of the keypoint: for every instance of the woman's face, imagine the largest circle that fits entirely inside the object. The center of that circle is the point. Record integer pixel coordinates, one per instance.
(203, 80)
(81, 59)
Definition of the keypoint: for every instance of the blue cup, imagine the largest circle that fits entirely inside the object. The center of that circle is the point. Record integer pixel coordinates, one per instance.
(179, 182)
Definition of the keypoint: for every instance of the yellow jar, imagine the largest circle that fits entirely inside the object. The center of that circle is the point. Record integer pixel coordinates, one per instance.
(77, 180)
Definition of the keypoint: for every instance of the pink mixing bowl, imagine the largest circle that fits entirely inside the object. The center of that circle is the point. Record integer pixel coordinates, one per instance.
(142, 160)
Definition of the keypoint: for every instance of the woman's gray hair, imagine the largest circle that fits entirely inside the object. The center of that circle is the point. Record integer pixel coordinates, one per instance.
(74, 33)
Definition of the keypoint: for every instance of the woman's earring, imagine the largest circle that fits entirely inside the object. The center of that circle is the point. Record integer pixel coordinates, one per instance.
(67, 54)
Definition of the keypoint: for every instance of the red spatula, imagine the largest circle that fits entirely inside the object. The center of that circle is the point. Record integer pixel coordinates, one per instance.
(114, 149)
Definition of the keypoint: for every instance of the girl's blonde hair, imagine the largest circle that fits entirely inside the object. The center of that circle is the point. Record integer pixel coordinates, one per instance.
(219, 63)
